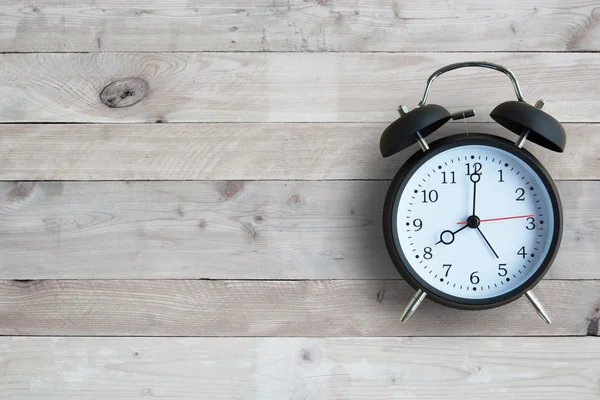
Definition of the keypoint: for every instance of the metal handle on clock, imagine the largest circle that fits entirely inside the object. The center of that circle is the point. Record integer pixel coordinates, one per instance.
(482, 64)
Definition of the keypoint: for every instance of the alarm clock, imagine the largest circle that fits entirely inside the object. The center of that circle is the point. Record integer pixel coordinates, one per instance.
(473, 221)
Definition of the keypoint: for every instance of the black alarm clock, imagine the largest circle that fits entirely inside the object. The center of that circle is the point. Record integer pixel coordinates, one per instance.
(473, 221)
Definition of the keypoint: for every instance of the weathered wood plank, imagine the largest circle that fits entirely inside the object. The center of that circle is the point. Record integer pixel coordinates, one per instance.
(299, 25)
(282, 87)
(276, 308)
(300, 368)
(228, 230)
(240, 151)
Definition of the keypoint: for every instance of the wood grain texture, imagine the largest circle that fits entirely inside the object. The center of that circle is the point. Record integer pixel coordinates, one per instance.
(285, 87)
(242, 151)
(299, 25)
(229, 230)
(300, 368)
(276, 308)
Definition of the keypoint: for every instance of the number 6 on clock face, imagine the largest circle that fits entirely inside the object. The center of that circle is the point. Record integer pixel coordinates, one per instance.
(475, 221)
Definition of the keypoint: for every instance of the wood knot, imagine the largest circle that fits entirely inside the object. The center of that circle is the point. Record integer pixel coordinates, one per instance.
(293, 200)
(124, 92)
(232, 188)
(21, 190)
(381, 295)
(258, 218)
(339, 19)
(306, 356)
(309, 355)
(593, 327)
(250, 231)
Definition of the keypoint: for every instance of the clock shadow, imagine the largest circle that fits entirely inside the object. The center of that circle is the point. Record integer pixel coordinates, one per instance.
(366, 242)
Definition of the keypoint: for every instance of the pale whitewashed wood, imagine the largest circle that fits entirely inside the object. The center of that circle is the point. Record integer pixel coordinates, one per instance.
(300, 368)
(241, 151)
(276, 308)
(229, 230)
(299, 25)
(283, 87)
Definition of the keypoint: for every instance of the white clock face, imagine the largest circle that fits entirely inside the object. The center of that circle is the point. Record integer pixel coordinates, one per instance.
(475, 221)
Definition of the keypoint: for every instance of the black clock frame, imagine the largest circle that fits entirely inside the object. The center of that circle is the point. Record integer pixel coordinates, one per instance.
(398, 186)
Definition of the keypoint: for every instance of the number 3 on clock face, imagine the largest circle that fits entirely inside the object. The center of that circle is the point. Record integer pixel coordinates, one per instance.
(476, 222)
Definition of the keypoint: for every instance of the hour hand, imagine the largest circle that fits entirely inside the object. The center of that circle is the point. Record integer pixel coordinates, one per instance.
(447, 237)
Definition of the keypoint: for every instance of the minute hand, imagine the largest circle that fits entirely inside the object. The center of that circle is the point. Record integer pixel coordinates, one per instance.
(488, 243)
(474, 180)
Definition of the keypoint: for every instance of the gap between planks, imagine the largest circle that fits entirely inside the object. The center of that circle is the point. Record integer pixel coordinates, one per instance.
(311, 52)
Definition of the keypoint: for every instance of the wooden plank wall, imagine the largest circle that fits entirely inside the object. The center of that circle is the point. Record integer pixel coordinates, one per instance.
(191, 193)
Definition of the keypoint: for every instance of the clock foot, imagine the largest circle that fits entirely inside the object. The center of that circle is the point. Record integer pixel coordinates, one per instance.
(412, 305)
(537, 306)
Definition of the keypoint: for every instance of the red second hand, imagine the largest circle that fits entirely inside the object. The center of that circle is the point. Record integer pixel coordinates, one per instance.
(499, 219)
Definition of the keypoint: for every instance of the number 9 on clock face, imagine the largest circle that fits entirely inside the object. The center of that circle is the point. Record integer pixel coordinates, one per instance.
(475, 222)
